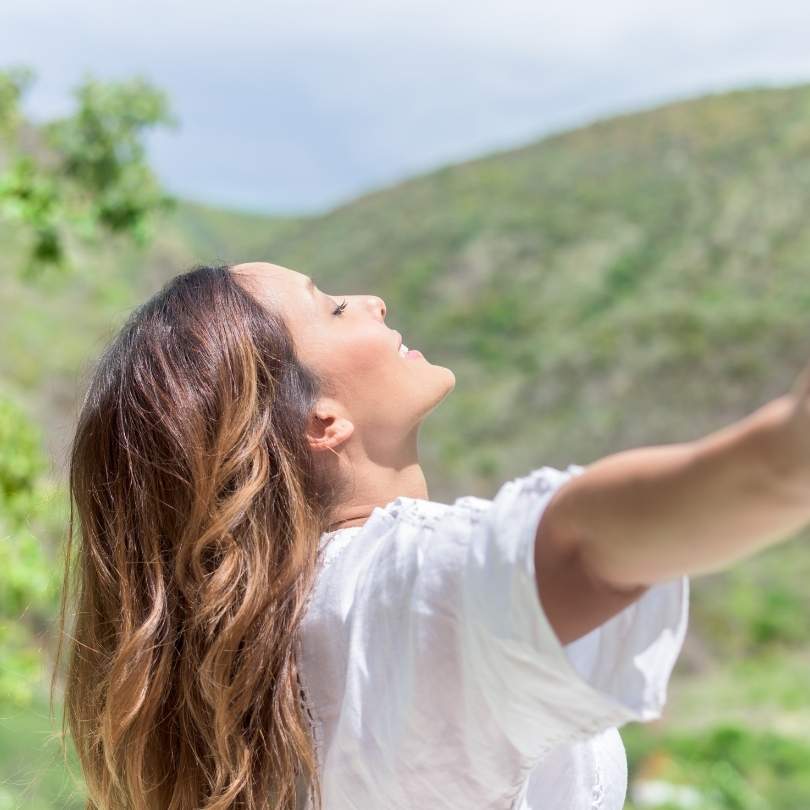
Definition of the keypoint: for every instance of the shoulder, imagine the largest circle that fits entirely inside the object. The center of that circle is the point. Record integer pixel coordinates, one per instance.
(410, 534)
(407, 540)
(408, 519)
(473, 509)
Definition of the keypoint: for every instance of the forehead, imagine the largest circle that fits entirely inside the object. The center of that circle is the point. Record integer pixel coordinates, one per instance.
(272, 283)
(264, 272)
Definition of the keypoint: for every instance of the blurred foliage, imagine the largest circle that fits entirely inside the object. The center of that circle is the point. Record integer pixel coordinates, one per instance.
(14, 82)
(33, 773)
(730, 767)
(760, 605)
(84, 175)
(30, 509)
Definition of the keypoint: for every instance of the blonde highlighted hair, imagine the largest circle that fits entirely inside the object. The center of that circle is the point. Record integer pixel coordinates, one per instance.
(197, 508)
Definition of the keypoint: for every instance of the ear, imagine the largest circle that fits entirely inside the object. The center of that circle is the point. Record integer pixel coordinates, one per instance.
(328, 428)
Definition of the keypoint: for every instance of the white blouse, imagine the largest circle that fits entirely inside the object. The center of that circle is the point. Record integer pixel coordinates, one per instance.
(433, 678)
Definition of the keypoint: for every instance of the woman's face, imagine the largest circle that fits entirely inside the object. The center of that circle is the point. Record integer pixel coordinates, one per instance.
(381, 392)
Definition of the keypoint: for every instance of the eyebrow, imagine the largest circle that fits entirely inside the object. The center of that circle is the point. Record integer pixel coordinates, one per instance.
(311, 286)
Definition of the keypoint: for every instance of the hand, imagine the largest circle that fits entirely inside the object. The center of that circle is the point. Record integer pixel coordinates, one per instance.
(782, 431)
(801, 388)
(797, 426)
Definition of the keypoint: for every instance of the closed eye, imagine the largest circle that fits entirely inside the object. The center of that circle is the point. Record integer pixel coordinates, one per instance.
(340, 308)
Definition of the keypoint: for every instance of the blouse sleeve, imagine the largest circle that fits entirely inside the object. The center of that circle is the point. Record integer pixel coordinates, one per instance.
(439, 658)
(544, 692)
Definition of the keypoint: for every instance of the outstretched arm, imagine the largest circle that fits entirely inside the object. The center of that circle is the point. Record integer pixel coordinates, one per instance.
(655, 513)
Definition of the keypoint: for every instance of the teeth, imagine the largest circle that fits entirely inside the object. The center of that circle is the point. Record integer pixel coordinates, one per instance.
(403, 350)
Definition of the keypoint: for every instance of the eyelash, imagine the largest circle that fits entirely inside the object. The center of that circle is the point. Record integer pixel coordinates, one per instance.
(340, 308)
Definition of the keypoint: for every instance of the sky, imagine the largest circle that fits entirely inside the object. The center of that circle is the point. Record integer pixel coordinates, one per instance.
(296, 106)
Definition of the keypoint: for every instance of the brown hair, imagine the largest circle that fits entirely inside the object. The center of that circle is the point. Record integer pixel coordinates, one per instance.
(200, 509)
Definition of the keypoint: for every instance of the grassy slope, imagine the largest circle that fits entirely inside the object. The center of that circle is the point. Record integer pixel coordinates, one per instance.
(643, 278)
(640, 280)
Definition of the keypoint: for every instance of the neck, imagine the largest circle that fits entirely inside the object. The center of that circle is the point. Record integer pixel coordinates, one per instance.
(376, 485)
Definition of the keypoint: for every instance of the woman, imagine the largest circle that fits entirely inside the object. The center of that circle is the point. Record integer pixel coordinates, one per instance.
(271, 613)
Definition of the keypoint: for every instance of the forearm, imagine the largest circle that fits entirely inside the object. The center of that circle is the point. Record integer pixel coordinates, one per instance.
(655, 513)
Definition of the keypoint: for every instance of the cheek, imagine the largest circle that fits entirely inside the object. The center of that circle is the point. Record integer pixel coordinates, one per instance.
(374, 357)
(358, 363)
(373, 362)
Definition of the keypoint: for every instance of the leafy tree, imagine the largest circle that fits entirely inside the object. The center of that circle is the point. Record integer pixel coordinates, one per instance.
(84, 175)
(79, 177)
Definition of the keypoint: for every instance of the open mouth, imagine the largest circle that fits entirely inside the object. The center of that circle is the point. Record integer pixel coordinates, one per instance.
(404, 351)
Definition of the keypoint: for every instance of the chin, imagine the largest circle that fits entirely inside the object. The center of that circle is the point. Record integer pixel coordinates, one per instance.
(451, 380)
(440, 392)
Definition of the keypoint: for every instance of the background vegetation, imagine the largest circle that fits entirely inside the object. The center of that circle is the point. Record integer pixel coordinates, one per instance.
(637, 281)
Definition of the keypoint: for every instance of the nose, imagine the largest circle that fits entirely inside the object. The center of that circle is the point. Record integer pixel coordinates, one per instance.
(378, 305)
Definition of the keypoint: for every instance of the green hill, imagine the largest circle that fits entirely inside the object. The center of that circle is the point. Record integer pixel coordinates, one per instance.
(641, 280)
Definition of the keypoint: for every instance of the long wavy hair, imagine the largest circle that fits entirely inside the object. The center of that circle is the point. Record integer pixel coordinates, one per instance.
(200, 507)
